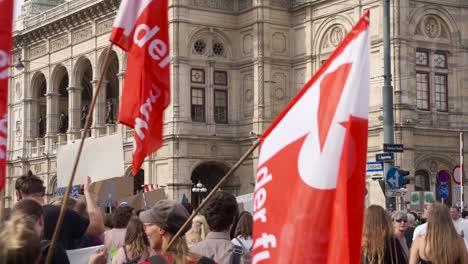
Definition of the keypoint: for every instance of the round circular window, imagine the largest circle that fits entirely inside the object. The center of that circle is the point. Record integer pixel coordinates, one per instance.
(199, 46)
(218, 49)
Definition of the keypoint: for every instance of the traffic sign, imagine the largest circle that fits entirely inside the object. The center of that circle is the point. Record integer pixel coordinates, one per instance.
(393, 147)
(394, 178)
(443, 176)
(456, 171)
(384, 156)
(395, 192)
(443, 191)
(374, 166)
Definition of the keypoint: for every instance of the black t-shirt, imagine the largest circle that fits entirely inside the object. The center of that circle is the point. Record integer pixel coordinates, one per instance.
(73, 226)
(59, 256)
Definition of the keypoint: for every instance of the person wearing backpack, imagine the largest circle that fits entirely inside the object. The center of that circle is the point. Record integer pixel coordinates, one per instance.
(243, 240)
(136, 247)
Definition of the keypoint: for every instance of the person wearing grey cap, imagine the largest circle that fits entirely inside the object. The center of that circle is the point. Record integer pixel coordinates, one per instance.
(161, 223)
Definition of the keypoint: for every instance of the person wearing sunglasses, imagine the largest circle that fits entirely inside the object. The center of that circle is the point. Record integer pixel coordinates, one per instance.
(400, 224)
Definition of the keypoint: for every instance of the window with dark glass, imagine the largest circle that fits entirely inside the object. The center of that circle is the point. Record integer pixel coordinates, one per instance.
(440, 83)
(198, 104)
(220, 106)
(422, 90)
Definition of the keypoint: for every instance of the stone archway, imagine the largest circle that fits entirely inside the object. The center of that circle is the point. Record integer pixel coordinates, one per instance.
(138, 179)
(422, 181)
(209, 174)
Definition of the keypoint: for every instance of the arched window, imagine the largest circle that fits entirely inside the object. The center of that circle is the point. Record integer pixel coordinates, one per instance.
(421, 181)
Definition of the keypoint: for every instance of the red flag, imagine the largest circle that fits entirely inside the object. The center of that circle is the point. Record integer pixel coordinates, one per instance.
(309, 193)
(141, 29)
(6, 41)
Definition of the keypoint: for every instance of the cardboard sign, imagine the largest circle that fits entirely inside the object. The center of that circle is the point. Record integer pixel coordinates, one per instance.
(138, 201)
(108, 192)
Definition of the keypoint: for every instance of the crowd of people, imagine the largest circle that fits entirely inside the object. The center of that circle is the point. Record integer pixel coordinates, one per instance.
(127, 235)
(221, 235)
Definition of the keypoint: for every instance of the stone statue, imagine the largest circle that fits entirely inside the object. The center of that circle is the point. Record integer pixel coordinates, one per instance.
(84, 114)
(40, 127)
(110, 112)
(63, 123)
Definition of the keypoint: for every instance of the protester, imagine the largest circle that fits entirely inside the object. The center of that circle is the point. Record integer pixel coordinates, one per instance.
(220, 213)
(161, 223)
(400, 220)
(410, 229)
(457, 221)
(198, 231)
(421, 229)
(115, 238)
(136, 248)
(243, 233)
(32, 209)
(19, 241)
(441, 243)
(73, 226)
(379, 244)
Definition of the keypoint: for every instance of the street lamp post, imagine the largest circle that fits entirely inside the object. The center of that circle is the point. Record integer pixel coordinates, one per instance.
(199, 188)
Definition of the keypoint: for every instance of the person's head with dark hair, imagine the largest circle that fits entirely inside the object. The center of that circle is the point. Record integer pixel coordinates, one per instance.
(188, 207)
(465, 214)
(30, 186)
(32, 209)
(107, 218)
(136, 239)
(221, 211)
(121, 216)
(244, 226)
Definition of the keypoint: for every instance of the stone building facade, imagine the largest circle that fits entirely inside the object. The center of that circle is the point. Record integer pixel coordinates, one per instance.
(235, 64)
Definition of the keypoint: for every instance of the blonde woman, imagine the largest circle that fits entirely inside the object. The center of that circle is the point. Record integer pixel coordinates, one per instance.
(441, 242)
(379, 245)
(198, 231)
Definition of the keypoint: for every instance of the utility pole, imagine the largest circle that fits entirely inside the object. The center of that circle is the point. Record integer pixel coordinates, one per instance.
(387, 95)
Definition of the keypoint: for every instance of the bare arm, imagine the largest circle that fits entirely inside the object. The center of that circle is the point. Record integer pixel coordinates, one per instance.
(96, 222)
(464, 256)
(414, 254)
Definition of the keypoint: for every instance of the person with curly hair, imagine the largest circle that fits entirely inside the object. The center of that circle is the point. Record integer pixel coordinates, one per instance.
(220, 213)
(379, 244)
(115, 237)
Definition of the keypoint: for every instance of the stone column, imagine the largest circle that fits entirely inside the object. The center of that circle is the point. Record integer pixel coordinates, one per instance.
(99, 112)
(121, 129)
(74, 112)
(52, 118)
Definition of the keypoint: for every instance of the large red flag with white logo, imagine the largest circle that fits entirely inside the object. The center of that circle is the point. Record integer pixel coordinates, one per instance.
(6, 41)
(141, 29)
(309, 193)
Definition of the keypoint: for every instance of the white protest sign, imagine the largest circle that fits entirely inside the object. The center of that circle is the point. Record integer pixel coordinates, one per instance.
(102, 158)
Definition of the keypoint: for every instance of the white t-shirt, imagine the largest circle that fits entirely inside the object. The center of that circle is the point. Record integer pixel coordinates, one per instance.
(247, 243)
(420, 230)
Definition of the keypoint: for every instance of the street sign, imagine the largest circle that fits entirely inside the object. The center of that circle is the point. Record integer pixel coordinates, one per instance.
(415, 198)
(456, 174)
(395, 192)
(443, 191)
(384, 156)
(394, 178)
(429, 197)
(393, 147)
(374, 166)
(443, 176)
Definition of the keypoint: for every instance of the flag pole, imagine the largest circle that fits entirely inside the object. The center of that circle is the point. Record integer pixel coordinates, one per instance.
(230, 172)
(78, 154)
(462, 171)
(2, 206)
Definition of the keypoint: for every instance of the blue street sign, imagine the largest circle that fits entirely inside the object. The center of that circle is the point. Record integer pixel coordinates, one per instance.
(443, 176)
(373, 166)
(443, 191)
(394, 178)
(384, 156)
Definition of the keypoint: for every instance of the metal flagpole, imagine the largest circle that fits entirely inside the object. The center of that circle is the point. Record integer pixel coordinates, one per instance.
(462, 173)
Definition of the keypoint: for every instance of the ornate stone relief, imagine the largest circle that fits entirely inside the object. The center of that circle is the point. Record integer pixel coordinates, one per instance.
(82, 34)
(247, 44)
(332, 38)
(248, 95)
(278, 92)
(279, 42)
(37, 50)
(225, 5)
(18, 91)
(432, 26)
(18, 131)
(433, 166)
(59, 43)
(299, 79)
(104, 26)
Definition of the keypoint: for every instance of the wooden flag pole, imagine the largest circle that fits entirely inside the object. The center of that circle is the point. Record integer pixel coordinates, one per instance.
(2, 206)
(230, 172)
(78, 154)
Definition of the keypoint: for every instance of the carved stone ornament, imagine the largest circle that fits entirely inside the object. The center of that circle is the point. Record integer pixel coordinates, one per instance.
(104, 26)
(431, 27)
(224, 5)
(279, 42)
(59, 43)
(247, 44)
(433, 166)
(248, 95)
(279, 93)
(18, 91)
(37, 51)
(82, 34)
(336, 35)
